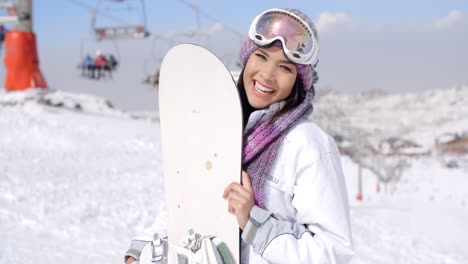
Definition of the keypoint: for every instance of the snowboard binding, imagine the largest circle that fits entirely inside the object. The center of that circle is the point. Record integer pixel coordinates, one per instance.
(159, 250)
(194, 249)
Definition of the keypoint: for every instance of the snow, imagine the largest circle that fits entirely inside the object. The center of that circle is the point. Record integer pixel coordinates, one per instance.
(419, 220)
(76, 184)
(446, 138)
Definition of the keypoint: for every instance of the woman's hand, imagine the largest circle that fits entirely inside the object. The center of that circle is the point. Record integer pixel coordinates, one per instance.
(240, 199)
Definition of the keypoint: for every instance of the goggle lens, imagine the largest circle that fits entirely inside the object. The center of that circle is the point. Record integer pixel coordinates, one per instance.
(297, 38)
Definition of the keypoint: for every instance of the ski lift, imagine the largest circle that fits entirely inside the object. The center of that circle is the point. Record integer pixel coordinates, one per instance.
(100, 61)
(151, 77)
(11, 15)
(194, 35)
(120, 29)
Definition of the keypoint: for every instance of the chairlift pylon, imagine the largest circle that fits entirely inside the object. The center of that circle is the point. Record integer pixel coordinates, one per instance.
(122, 29)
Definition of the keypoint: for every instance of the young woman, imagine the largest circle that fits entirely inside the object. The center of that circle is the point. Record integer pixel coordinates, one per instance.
(292, 204)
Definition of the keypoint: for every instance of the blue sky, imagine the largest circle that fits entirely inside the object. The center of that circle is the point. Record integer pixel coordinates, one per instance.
(173, 15)
(390, 45)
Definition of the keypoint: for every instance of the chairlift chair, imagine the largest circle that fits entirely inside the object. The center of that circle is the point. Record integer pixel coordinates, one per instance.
(10, 8)
(121, 30)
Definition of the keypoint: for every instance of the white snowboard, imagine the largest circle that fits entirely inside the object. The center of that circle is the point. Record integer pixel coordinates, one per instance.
(201, 131)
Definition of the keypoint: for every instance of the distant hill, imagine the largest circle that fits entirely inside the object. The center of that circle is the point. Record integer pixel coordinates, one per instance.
(376, 115)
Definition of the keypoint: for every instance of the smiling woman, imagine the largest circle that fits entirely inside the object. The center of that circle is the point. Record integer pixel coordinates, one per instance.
(292, 203)
(293, 193)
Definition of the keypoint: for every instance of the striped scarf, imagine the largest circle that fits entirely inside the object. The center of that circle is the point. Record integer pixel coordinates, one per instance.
(262, 141)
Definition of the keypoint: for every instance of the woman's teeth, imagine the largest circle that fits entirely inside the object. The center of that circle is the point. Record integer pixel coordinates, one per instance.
(263, 89)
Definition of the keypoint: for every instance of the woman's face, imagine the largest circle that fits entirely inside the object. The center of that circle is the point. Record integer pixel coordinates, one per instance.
(268, 77)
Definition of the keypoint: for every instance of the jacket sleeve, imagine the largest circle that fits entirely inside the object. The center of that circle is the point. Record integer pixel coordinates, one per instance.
(135, 249)
(321, 232)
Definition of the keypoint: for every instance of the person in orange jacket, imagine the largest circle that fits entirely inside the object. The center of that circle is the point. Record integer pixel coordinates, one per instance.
(99, 64)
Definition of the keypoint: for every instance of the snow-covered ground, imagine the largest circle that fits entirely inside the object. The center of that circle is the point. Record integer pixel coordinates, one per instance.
(78, 182)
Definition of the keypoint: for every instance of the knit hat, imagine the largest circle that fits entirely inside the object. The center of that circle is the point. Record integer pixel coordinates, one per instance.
(307, 73)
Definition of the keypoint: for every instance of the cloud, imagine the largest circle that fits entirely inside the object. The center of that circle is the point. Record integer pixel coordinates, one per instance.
(337, 21)
(331, 20)
(453, 18)
(216, 27)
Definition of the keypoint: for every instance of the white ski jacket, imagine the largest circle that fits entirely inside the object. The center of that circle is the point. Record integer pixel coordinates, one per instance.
(307, 212)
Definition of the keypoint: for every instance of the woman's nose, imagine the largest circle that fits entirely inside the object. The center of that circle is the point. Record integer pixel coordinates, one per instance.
(268, 72)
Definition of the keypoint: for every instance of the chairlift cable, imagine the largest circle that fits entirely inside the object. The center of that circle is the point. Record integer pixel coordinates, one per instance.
(144, 14)
(212, 18)
(95, 11)
(116, 48)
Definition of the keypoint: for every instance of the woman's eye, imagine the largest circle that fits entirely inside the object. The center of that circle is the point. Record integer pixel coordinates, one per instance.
(261, 56)
(286, 68)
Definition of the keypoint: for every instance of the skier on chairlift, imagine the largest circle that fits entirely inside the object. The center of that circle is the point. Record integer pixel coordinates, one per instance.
(111, 65)
(99, 64)
(87, 67)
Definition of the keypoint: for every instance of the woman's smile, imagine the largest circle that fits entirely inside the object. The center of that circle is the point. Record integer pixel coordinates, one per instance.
(262, 90)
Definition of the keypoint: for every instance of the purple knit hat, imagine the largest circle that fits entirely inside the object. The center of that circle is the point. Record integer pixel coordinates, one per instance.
(307, 73)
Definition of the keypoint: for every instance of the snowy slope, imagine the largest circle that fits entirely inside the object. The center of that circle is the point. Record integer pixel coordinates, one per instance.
(420, 219)
(74, 186)
(77, 184)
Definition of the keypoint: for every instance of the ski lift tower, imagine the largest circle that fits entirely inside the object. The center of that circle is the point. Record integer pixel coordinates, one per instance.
(21, 60)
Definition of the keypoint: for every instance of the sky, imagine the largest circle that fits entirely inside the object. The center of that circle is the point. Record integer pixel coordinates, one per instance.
(395, 46)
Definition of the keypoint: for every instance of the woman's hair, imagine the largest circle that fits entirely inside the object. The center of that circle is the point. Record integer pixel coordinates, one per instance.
(247, 109)
(294, 99)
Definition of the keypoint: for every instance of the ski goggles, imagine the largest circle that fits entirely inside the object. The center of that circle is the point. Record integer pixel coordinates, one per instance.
(299, 42)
